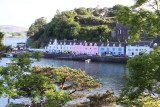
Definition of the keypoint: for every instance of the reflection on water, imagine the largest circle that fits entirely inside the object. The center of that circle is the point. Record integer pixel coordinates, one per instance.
(110, 74)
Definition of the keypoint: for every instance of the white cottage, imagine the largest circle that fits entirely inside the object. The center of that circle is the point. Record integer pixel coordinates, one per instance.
(58, 46)
(133, 49)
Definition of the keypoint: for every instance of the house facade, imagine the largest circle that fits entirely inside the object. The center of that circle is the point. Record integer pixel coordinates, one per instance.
(133, 49)
(90, 48)
(98, 48)
(57, 46)
(83, 47)
(77, 47)
(111, 48)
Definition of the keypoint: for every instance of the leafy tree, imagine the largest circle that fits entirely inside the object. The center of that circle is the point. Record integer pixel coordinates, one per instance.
(105, 99)
(142, 101)
(82, 11)
(67, 78)
(37, 26)
(140, 19)
(143, 75)
(1, 44)
(19, 79)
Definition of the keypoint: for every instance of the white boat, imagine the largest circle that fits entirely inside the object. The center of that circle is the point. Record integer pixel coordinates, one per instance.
(10, 62)
(88, 60)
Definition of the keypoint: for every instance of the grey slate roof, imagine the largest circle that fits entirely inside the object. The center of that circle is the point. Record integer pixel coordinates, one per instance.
(141, 43)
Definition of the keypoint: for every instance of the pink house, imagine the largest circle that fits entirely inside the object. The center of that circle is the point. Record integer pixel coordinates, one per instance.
(90, 48)
(77, 47)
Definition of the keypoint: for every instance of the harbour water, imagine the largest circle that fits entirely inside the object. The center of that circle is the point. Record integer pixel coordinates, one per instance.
(110, 74)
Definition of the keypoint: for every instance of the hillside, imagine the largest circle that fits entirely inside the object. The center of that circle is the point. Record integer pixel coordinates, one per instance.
(90, 24)
(11, 28)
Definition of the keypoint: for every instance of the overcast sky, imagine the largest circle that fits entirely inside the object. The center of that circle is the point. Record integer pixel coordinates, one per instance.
(25, 12)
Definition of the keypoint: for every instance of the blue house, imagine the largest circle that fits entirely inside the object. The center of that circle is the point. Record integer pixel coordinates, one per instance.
(111, 48)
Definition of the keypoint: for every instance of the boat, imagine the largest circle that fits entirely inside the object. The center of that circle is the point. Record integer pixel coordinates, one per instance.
(88, 60)
(9, 56)
(10, 62)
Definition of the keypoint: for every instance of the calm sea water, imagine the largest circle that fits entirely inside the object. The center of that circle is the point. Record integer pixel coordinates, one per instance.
(13, 41)
(110, 74)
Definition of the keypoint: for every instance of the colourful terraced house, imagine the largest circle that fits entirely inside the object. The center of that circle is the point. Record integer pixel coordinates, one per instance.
(83, 47)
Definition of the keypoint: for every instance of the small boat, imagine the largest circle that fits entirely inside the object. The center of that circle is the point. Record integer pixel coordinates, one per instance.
(9, 56)
(10, 62)
(88, 60)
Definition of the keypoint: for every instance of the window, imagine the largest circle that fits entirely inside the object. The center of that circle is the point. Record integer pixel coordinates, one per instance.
(139, 49)
(119, 49)
(136, 49)
(113, 49)
(85, 48)
(102, 49)
(120, 31)
(119, 53)
(129, 49)
(95, 48)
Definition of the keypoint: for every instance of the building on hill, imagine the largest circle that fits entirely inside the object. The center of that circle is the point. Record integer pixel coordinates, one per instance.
(120, 32)
(133, 49)
(111, 48)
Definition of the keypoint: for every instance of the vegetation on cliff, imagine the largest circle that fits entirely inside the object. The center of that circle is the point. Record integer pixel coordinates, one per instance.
(90, 24)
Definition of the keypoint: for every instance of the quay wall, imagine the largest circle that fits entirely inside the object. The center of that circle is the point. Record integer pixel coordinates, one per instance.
(85, 57)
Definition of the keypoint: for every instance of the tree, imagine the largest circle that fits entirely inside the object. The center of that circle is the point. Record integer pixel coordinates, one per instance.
(67, 78)
(19, 79)
(1, 44)
(143, 76)
(37, 26)
(140, 19)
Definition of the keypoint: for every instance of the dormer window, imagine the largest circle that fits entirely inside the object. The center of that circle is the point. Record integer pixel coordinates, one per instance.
(119, 45)
(61, 43)
(114, 44)
(95, 44)
(80, 43)
(102, 44)
(70, 43)
(107, 44)
(74, 43)
(85, 44)
(64, 43)
(90, 44)
(155, 44)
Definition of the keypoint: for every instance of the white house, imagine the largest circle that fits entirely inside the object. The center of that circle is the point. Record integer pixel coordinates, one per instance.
(57, 46)
(111, 48)
(135, 48)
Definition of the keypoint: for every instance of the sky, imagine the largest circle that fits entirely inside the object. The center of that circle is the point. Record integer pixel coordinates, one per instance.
(24, 12)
